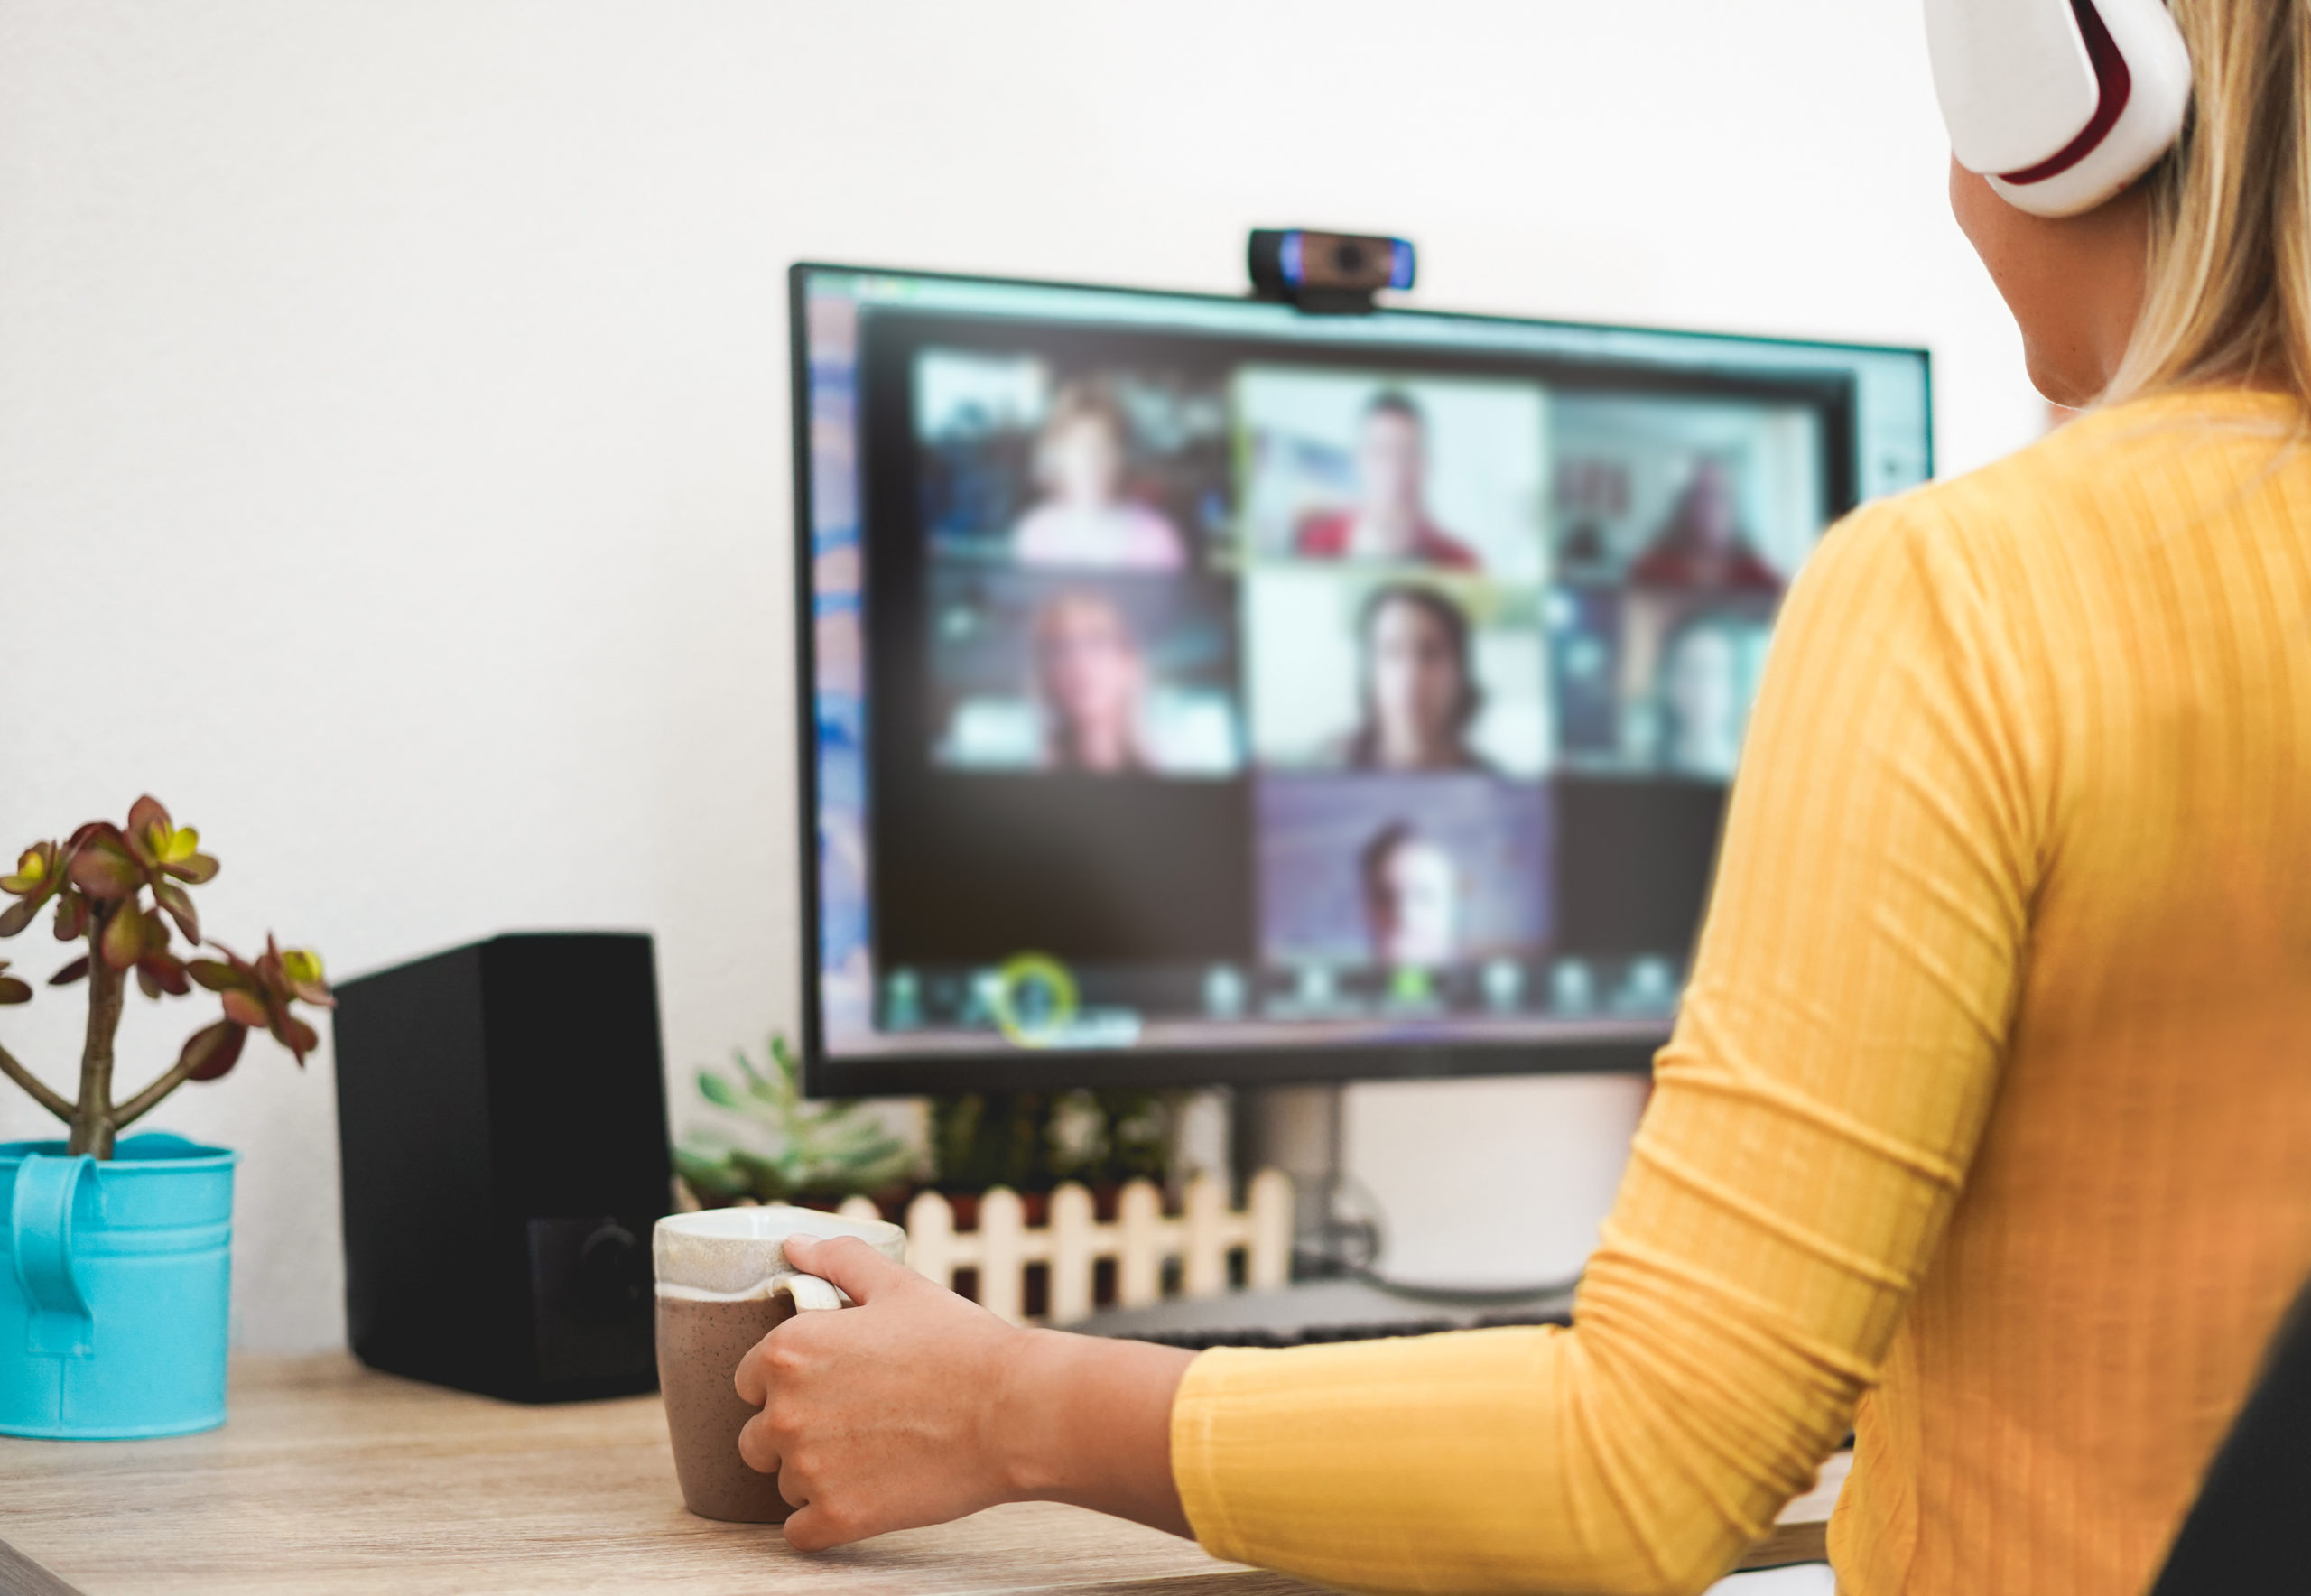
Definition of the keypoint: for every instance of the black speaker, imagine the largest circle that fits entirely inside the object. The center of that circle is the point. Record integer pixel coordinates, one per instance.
(501, 1114)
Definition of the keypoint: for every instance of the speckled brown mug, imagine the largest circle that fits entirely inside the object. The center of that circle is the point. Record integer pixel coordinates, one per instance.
(724, 1283)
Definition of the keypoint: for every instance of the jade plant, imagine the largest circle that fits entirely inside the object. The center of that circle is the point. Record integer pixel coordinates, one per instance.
(100, 880)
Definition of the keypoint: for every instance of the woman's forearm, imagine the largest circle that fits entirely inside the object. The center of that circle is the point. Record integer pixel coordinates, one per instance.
(1087, 1421)
(918, 1406)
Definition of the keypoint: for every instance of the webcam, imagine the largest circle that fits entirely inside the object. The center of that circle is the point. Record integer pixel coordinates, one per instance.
(1327, 274)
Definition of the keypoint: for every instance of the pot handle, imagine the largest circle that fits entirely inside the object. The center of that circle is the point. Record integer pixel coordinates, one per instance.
(39, 1241)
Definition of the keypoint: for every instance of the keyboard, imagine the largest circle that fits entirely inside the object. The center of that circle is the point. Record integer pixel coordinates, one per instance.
(1319, 1312)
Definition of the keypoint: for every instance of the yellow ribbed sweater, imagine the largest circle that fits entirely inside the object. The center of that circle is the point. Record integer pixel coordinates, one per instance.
(1989, 1108)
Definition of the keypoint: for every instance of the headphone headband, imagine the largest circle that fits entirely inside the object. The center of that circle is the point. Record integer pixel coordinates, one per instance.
(2060, 103)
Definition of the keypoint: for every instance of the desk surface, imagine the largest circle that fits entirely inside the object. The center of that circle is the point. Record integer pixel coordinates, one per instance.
(333, 1480)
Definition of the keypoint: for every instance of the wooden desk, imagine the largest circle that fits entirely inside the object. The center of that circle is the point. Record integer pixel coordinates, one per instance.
(335, 1480)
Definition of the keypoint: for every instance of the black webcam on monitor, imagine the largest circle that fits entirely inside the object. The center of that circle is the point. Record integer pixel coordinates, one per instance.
(1327, 274)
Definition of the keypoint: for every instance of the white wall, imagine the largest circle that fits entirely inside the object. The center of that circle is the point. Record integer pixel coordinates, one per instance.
(393, 464)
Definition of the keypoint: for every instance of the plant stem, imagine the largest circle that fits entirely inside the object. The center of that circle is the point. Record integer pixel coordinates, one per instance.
(128, 1113)
(92, 1121)
(45, 1095)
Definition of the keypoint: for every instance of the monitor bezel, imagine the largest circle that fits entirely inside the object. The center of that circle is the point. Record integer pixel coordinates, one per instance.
(1037, 1070)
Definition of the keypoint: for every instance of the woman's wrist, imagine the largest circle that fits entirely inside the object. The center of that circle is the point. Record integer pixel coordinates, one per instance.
(1087, 1420)
(1026, 1430)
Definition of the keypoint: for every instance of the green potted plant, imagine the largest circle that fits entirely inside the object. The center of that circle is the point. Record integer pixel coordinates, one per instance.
(785, 1147)
(114, 1317)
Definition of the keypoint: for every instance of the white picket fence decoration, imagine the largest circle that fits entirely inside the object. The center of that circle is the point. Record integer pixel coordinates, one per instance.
(1140, 1240)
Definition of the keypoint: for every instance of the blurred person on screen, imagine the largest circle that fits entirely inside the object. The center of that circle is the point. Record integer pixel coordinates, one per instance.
(1412, 898)
(1389, 520)
(1084, 517)
(1419, 694)
(1704, 705)
(1592, 491)
(1090, 678)
(1701, 544)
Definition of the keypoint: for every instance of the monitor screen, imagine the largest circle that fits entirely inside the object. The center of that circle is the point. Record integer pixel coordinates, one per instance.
(1195, 690)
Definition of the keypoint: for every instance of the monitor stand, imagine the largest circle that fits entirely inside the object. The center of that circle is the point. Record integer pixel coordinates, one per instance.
(1301, 1130)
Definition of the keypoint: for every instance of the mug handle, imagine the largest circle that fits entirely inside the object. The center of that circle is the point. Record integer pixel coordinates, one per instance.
(40, 1241)
(809, 1292)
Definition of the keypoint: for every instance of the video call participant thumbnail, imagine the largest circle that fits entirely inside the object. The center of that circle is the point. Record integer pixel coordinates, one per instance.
(1351, 671)
(1390, 520)
(1032, 458)
(1394, 872)
(1102, 675)
(1090, 678)
(1403, 468)
(1084, 517)
(1710, 667)
(1703, 545)
(1418, 693)
(1412, 899)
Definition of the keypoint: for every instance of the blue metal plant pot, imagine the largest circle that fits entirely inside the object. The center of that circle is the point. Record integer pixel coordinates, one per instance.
(115, 1300)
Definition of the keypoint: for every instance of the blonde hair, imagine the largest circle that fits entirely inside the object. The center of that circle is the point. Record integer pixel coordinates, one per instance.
(2227, 299)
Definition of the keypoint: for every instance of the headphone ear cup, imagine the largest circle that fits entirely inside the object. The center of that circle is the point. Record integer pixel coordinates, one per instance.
(2061, 104)
(2014, 78)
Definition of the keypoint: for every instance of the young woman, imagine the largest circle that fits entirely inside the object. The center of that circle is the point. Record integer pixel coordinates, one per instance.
(1987, 1124)
(1417, 696)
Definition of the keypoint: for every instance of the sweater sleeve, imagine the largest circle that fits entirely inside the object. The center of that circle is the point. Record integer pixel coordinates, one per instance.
(1832, 1065)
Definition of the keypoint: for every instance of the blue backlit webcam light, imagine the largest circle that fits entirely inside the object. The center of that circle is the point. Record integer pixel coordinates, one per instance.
(1327, 272)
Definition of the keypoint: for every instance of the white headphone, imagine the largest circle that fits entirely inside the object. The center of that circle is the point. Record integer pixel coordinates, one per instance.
(2060, 103)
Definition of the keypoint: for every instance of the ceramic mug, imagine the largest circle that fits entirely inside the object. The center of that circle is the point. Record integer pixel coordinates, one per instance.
(723, 1283)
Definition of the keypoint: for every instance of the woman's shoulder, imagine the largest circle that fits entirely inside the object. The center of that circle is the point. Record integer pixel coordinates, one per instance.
(2098, 482)
(2084, 499)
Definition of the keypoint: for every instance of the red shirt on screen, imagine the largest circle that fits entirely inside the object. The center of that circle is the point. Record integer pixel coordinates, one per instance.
(1668, 565)
(1326, 537)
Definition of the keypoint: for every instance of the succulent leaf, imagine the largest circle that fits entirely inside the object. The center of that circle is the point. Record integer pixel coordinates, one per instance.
(17, 915)
(103, 868)
(164, 971)
(123, 940)
(296, 1036)
(148, 831)
(709, 1175)
(71, 917)
(178, 902)
(195, 868)
(300, 970)
(717, 1091)
(12, 990)
(222, 1043)
(245, 1008)
(35, 874)
(220, 977)
(76, 971)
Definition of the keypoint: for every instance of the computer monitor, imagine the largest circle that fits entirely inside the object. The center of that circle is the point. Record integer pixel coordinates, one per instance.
(1196, 691)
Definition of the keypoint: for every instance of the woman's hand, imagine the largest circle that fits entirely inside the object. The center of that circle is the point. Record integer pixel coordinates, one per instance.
(917, 1406)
